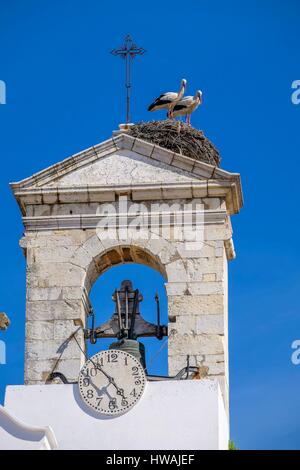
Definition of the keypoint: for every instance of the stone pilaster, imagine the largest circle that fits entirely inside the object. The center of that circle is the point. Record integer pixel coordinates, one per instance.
(198, 310)
(56, 307)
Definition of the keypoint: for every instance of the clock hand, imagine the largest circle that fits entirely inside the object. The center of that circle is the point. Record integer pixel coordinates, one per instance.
(100, 391)
(101, 370)
(110, 397)
(120, 391)
(111, 380)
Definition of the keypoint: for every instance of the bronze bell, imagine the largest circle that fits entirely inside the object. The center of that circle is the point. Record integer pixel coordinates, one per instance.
(133, 347)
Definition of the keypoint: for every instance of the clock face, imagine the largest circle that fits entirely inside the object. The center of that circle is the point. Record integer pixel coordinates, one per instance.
(111, 382)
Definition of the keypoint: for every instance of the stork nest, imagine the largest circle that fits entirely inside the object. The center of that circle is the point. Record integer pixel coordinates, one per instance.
(177, 137)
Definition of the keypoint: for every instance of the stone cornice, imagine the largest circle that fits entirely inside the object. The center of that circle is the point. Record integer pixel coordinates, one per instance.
(91, 221)
(204, 188)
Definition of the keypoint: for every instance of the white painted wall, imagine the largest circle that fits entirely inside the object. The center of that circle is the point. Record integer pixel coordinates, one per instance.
(187, 414)
(15, 434)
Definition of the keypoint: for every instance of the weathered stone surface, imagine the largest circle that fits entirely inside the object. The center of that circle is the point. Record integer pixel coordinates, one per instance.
(210, 324)
(168, 254)
(55, 310)
(72, 293)
(50, 349)
(53, 238)
(213, 203)
(176, 271)
(40, 330)
(142, 147)
(196, 305)
(62, 209)
(156, 246)
(216, 368)
(205, 288)
(62, 329)
(70, 368)
(219, 248)
(207, 250)
(176, 363)
(38, 371)
(46, 293)
(55, 275)
(214, 358)
(93, 246)
(209, 277)
(126, 167)
(217, 233)
(196, 268)
(53, 254)
(194, 345)
(54, 293)
(186, 324)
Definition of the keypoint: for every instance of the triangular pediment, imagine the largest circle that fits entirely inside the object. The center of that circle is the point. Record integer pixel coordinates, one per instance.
(123, 167)
(119, 161)
(124, 163)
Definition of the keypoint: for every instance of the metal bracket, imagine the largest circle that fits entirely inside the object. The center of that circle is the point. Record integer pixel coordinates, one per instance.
(126, 321)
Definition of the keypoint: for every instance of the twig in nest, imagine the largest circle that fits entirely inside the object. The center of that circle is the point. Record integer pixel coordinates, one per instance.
(177, 137)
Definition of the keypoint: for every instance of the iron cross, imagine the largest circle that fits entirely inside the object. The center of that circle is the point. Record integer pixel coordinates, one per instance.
(128, 52)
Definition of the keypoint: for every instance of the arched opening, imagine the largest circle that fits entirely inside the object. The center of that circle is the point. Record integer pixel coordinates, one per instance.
(147, 274)
(122, 254)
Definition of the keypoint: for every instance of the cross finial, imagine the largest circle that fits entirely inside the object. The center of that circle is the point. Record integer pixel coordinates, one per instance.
(128, 52)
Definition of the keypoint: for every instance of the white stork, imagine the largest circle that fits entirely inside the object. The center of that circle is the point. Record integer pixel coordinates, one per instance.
(187, 106)
(168, 100)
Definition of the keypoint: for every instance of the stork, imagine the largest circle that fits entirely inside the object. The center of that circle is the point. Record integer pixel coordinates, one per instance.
(187, 106)
(168, 100)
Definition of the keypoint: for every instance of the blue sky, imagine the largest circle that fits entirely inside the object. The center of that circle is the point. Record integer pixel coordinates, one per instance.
(65, 92)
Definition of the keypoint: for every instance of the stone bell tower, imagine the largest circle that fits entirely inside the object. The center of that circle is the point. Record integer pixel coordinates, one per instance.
(65, 211)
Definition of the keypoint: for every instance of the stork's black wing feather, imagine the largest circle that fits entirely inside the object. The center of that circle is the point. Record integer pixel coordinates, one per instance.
(178, 107)
(158, 102)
